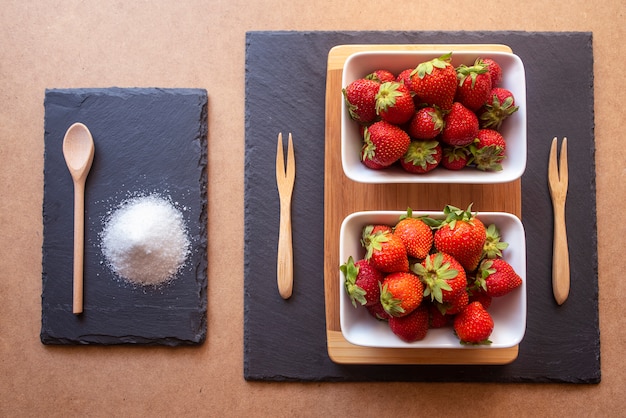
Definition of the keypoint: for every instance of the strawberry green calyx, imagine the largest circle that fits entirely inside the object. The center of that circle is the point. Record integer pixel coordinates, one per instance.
(487, 158)
(484, 271)
(407, 215)
(391, 305)
(355, 292)
(454, 214)
(369, 148)
(432, 222)
(422, 153)
(435, 274)
(373, 240)
(500, 106)
(426, 68)
(496, 112)
(381, 76)
(455, 157)
(387, 95)
(352, 109)
(437, 119)
(493, 245)
(463, 71)
(427, 219)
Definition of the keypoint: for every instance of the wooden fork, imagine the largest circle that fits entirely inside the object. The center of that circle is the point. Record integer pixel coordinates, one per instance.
(557, 180)
(285, 180)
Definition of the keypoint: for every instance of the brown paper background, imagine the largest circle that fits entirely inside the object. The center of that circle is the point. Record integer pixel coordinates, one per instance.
(64, 44)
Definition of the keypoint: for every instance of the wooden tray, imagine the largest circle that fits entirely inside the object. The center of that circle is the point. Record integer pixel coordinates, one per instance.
(343, 196)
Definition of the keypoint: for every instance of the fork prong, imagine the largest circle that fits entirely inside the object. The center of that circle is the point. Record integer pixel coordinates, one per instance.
(291, 160)
(563, 174)
(553, 170)
(280, 158)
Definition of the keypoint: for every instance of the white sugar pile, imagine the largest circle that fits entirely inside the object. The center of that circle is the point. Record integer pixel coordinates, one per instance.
(145, 240)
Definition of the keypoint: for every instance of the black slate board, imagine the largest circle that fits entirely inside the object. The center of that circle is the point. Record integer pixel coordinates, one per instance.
(285, 91)
(148, 141)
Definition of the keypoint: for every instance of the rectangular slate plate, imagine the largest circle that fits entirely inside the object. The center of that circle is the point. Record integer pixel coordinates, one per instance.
(285, 91)
(148, 141)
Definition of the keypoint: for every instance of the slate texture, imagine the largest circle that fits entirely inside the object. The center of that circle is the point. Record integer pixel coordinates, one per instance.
(148, 141)
(285, 90)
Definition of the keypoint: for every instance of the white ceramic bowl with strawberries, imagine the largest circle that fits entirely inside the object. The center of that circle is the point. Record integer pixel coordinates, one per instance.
(513, 128)
(359, 327)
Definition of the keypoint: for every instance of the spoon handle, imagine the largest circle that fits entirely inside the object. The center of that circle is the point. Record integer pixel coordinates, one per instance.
(79, 242)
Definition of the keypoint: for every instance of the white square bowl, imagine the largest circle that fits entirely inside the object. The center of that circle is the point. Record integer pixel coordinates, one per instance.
(509, 312)
(513, 129)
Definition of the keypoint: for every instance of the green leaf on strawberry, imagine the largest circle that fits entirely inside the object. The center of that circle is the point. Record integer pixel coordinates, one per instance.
(435, 272)
(427, 67)
(493, 245)
(350, 272)
(454, 214)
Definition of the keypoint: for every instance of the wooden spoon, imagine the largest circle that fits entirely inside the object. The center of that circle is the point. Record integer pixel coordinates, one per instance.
(78, 150)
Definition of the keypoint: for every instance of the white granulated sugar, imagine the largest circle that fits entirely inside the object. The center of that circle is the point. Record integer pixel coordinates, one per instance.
(145, 240)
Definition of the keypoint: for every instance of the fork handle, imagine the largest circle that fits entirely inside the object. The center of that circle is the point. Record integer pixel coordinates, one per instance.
(560, 257)
(284, 267)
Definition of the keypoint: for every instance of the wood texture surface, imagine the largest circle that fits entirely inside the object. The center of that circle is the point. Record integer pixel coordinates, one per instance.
(343, 196)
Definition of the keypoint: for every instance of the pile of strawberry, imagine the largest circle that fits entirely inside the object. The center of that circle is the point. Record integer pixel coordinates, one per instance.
(429, 273)
(431, 115)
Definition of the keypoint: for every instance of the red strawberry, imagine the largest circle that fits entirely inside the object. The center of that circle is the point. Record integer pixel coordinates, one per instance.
(474, 85)
(443, 277)
(385, 251)
(499, 106)
(405, 77)
(378, 312)
(493, 245)
(411, 327)
(394, 103)
(421, 157)
(434, 82)
(381, 228)
(401, 293)
(360, 98)
(381, 76)
(362, 282)
(427, 123)
(367, 159)
(497, 277)
(438, 319)
(461, 126)
(415, 234)
(488, 150)
(385, 143)
(478, 294)
(457, 304)
(495, 71)
(462, 235)
(455, 158)
(473, 325)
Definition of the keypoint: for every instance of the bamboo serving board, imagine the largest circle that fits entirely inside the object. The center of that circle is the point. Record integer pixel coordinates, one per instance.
(343, 196)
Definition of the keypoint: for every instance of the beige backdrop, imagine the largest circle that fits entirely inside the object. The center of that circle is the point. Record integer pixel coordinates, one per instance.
(185, 43)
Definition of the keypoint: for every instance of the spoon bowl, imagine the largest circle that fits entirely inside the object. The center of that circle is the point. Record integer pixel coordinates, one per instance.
(78, 151)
